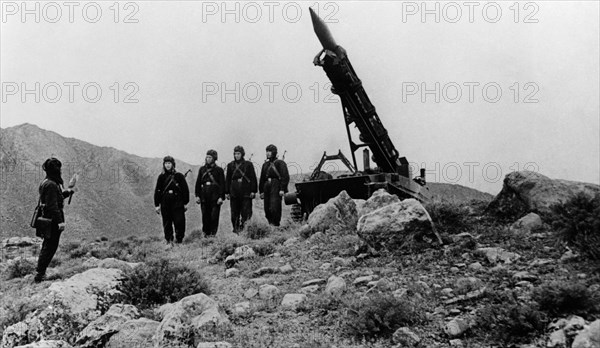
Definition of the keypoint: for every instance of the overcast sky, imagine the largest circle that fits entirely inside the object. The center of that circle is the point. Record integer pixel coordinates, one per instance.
(181, 65)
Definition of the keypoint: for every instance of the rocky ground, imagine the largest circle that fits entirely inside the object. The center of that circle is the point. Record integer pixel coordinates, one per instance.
(358, 274)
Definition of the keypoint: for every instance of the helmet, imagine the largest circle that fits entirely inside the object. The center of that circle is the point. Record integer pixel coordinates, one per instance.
(272, 148)
(52, 165)
(239, 149)
(169, 159)
(212, 153)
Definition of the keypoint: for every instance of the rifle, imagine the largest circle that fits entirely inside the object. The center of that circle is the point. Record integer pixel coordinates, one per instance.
(283, 157)
(186, 173)
(72, 183)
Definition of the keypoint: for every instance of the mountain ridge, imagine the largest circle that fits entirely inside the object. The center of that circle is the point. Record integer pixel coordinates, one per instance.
(115, 189)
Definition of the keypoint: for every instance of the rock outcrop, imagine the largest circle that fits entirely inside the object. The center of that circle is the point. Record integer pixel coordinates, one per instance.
(339, 214)
(526, 191)
(190, 317)
(397, 226)
(134, 333)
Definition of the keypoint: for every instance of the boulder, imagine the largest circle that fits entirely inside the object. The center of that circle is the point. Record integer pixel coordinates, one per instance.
(292, 301)
(338, 213)
(291, 241)
(397, 226)
(363, 280)
(456, 327)
(192, 315)
(240, 253)
(360, 203)
(134, 333)
(527, 191)
(99, 330)
(267, 291)
(588, 337)
(314, 282)
(285, 269)
(77, 292)
(15, 335)
(265, 270)
(378, 199)
(495, 255)
(232, 272)
(557, 339)
(527, 223)
(241, 307)
(311, 289)
(404, 337)
(335, 286)
(250, 293)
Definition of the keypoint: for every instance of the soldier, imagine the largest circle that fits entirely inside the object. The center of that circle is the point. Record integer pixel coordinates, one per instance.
(210, 193)
(52, 197)
(240, 188)
(171, 197)
(274, 179)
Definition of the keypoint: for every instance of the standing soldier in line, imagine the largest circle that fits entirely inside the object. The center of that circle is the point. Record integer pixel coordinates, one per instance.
(210, 193)
(171, 197)
(240, 188)
(274, 179)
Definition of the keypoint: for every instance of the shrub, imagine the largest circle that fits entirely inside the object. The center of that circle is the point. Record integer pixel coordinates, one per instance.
(16, 310)
(69, 247)
(381, 315)
(105, 253)
(161, 281)
(224, 248)
(195, 235)
(19, 268)
(578, 223)
(256, 229)
(562, 298)
(322, 305)
(79, 251)
(61, 324)
(448, 217)
(510, 322)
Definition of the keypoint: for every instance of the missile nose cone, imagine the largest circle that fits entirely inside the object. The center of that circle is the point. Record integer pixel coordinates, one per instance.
(322, 31)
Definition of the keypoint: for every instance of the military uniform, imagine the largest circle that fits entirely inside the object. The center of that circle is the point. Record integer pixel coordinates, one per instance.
(52, 197)
(210, 187)
(172, 195)
(274, 177)
(241, 186)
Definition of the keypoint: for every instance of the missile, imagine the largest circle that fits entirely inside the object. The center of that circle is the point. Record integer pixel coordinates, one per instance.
(322, 31)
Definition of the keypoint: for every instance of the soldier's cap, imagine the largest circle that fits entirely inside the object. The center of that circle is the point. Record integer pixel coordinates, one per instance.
(239, 149)
(272, 148)
(52, 164)
(212, 153)
(169, 159)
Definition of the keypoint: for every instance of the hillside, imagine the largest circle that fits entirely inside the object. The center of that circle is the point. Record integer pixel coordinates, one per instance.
(114, 192)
